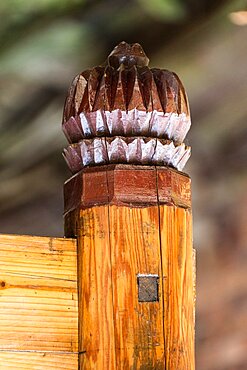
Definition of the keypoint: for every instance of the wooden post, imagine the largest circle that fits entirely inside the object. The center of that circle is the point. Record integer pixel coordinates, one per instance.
(131, 214)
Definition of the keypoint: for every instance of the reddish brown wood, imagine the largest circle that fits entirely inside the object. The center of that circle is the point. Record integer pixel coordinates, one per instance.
(174, 187)
(125, 112)
(129, 185)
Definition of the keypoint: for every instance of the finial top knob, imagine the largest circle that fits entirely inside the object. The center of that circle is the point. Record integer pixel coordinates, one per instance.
(128, 55)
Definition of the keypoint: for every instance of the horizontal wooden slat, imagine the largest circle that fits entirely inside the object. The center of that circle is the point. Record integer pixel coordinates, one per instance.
(38, 361)
(38, 302)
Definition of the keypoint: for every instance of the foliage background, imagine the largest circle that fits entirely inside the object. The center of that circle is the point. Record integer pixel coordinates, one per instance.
(44, 43)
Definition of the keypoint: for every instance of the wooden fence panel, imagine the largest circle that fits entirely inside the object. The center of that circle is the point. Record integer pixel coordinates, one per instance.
(38, 303)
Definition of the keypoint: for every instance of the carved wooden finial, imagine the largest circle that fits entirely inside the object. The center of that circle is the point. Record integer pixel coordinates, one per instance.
(125, 112)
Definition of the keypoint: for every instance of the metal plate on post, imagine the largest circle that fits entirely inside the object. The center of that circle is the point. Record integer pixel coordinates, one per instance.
(148, 287)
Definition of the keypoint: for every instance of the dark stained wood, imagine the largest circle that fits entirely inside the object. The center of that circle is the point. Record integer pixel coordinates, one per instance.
(119, 81)
(174, 187)
(138, 150)
(127, 185)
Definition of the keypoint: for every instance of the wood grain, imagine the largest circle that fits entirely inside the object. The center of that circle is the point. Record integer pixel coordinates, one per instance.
(179, 288)
(96, 323)
(116, 243)
(139, 336)
(133, 220)
(116, 331)
(38, 301)
(38, 361)
(120, 184)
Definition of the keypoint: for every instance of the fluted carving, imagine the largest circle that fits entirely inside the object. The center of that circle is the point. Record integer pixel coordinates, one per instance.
(123, 104)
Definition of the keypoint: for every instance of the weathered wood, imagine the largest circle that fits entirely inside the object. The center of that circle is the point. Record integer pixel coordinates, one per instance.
(132, 150)
(38, 303)
(119, 240)
(125, 184)
(125, 112)
(131, 214)
(96, 323)
(126, 98)
(178, 273)
(139, 336)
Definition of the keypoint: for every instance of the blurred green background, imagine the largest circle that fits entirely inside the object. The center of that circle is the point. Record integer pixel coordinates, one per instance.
(45, 43)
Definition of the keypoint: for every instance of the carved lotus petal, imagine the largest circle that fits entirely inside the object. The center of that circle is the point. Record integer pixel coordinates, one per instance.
(125, 112)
